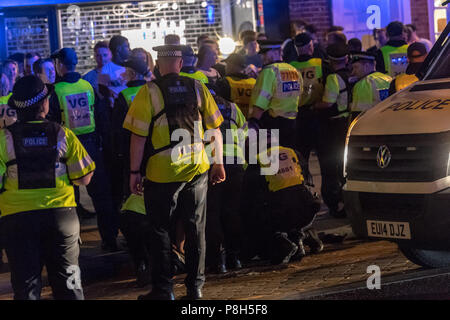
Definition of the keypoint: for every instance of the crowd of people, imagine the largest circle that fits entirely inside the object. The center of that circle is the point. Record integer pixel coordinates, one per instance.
(111, 130)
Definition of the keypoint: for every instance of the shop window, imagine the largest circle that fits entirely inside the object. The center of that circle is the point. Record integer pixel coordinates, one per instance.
(438, 17)
(27, 34)
(144, 23)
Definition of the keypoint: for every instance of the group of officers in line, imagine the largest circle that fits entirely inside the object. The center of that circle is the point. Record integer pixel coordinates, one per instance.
(171, 198)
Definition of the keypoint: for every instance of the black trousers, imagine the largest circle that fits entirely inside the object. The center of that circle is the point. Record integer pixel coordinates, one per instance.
(135, 228)
(223, 223)
(330, 151)
(308, 124)
(45, 237)
(99, 189)
(161, 201)
(285, 126)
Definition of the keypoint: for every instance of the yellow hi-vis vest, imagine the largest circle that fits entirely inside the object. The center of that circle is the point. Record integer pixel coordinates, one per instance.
(289, 172)
(197, 75)
(395, 59)
(77, 106)
(311, 71)
(404, 80)
(369, 91)
(241, 92)
(135, 203)
(129, 94)
(7, 115)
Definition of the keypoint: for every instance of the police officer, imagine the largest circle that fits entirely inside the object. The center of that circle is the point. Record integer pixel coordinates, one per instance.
(290, 206)
(311, 71)
(37, 202)
(334, 113)
(236, 86)
(391, 58)
(372, 86)
(72, 105)
(7, 114)
(176, 172)
(276, 95)
(189, 70)
(223, 223)
(137, 69)
(417, 52)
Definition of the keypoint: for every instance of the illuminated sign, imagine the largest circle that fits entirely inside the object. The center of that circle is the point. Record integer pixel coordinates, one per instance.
(151, 36)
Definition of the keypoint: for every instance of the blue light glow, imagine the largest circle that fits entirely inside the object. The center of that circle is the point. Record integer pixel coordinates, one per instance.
(210, 14)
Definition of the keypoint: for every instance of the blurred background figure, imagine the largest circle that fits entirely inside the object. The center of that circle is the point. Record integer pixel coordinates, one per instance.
(201, 39)
(30, 58)
(18, 57)
(207, 58)
(102, 56)
(411, 30)
(261, 36)
(11, 71)
(380, 37)
(140, 54)
(288, 47)
(4, 85)
(45, 70)
(251, 49)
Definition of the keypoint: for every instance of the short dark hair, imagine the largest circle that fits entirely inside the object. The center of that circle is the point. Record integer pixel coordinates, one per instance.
(101, 44)
(115, 42)
(395, 28)
(412, 26)
(30, 113)
(202, 37)
(335, 28)
(246, 33)
(355, 44)
(37, 65)
(337, 36)
(248, 39)
(9, 61)
(30, 55)
(312, 29)
(19, 57)
(172, 39)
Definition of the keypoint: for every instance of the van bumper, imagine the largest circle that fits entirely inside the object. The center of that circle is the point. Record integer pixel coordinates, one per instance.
(428, 216)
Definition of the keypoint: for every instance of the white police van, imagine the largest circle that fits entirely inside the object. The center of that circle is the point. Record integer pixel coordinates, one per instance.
(397, 165)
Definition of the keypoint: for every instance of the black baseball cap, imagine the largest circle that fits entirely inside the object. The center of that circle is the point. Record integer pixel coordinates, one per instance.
(236, 60)
(67, 56)
(337, 51)
(394, 28)
(302, 39)
(419, 47)
(188, 51)
(138, 65)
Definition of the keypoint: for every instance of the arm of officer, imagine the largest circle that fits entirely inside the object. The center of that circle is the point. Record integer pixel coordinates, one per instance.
(330, 94)
(80, 167)
(138, 121)
(262, 93)
(212, 119)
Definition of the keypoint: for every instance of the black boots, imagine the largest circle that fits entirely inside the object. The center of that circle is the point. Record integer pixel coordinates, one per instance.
(313, 241)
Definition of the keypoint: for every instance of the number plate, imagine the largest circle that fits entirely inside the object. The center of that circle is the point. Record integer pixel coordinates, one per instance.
(388, 229)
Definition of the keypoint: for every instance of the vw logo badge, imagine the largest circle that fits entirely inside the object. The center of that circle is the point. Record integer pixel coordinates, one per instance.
(383, 157)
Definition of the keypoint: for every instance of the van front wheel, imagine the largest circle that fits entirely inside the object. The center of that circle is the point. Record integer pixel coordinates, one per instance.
(427, 258)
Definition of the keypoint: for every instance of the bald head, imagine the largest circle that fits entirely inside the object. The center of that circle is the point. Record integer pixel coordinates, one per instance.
(168, 65)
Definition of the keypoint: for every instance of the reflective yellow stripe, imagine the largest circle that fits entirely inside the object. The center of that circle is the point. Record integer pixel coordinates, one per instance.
(80, 165)
(136, 123)
(211, 120)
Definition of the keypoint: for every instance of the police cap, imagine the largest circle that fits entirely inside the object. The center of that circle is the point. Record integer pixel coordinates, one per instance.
(362, 56)
(267, 45)
(237, 60)
(67, 56)
(337, 51)
(302, 39)
(170, 51)
(28, 91)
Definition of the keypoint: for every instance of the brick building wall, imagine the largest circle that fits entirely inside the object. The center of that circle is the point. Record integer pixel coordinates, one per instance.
(317, 12)
(420, 17)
